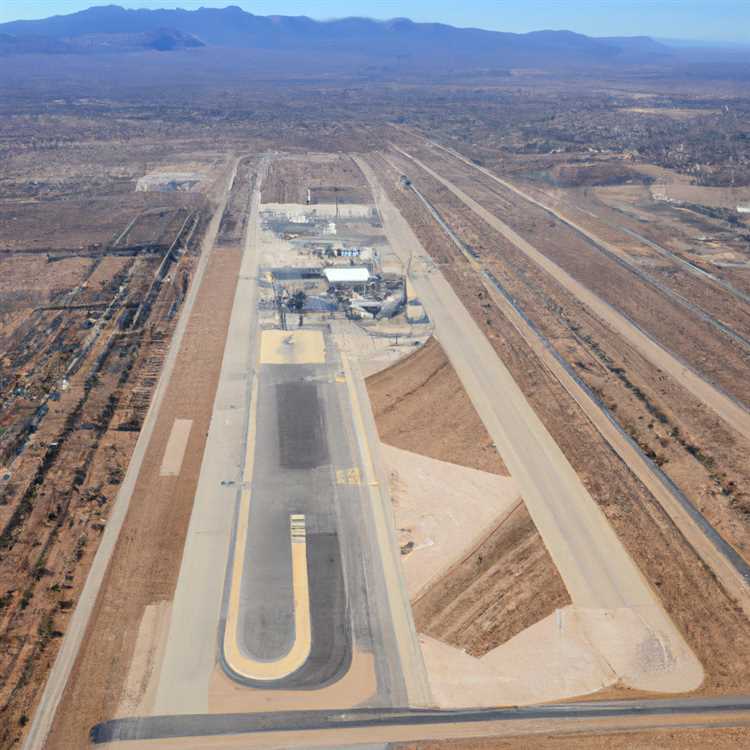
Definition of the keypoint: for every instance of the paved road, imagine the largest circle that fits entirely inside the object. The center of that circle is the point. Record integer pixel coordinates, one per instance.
(63, 665)
(730, 410)
(596, 569)
(434, 723)
(298, 447)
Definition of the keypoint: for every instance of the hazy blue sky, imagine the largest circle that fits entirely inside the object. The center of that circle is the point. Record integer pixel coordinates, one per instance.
(727, 20)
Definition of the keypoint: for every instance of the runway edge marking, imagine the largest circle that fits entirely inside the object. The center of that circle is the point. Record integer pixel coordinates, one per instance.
(410, 653)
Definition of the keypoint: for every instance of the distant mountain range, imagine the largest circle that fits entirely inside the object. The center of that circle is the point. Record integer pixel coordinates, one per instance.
(115, 30)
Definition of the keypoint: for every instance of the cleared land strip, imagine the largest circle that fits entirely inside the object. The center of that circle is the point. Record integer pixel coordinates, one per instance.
(691, 267)
(726, 407)
(597, 571)
(721, 557)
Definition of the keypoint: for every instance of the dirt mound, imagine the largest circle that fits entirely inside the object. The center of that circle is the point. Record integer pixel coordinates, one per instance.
(507, 583)
(421, 406)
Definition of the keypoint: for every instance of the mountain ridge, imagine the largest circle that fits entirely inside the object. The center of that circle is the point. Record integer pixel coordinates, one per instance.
(231, 27)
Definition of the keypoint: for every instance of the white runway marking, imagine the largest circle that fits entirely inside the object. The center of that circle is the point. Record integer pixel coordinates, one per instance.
(175, 450)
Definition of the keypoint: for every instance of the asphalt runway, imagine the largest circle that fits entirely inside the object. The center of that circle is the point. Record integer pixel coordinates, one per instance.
(297, 430)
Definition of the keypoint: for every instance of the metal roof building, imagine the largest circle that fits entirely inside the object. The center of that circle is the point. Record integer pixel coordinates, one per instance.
(346, 275)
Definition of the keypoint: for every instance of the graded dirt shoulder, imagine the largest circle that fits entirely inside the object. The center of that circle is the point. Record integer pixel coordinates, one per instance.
(715, 738)
(442, 511)
(421, 406)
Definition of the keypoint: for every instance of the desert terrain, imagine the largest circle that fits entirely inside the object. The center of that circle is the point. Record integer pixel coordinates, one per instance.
(374, 409)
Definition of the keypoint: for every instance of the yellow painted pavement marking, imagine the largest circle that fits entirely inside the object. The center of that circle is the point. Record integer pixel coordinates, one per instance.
(298, 654)
(348, 476)
(297, 347)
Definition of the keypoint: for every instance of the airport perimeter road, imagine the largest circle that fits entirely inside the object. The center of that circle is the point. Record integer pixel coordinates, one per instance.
(596, 569)
(347, 729)
(63, 665)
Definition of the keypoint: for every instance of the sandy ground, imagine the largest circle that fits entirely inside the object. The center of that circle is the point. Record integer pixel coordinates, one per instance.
(175, 450)
(420, 405)
(291, 175)
(139, 689)
(441, 510)
(357, 686)
(716, 738)
(373, 351)
(500, 587)
(548, 661)
(327, 210)
(727, 197)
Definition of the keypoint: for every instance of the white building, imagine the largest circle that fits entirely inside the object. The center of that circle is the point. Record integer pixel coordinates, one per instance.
(347, 276)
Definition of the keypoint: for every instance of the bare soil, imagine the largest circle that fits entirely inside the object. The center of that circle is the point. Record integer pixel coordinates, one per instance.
(329, 177)
(421, 406)
(504, 585)
(716, 738)
(508, 581)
